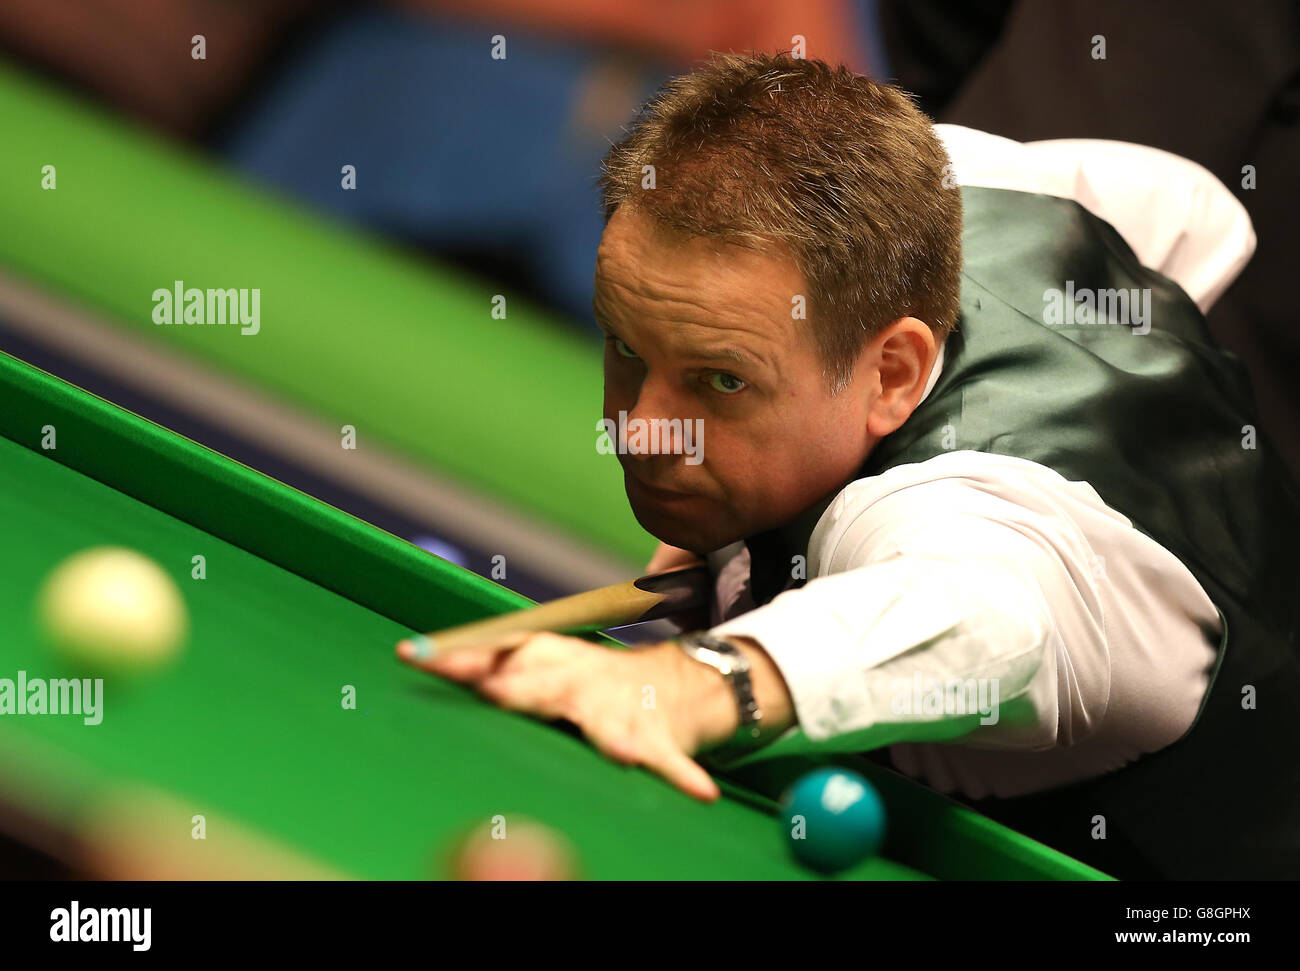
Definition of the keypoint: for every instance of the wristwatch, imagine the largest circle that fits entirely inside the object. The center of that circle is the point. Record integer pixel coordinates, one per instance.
(727, 660)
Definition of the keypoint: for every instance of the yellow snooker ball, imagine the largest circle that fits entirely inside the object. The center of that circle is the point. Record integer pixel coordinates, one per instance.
(113, 608)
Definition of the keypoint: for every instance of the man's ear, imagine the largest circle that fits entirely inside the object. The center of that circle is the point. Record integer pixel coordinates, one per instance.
(901, 357)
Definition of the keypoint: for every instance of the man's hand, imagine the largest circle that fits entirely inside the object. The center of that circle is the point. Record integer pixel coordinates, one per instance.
(654, 706)
(667, 557)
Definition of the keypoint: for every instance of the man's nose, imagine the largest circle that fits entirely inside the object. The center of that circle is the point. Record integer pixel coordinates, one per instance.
(655, 419)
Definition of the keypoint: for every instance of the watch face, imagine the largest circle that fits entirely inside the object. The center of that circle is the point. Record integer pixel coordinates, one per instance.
(718, 651)
(701, 647)
(731, 660)
(715, 644)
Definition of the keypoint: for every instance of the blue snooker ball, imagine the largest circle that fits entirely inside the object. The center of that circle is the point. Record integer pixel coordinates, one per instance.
(833, 819)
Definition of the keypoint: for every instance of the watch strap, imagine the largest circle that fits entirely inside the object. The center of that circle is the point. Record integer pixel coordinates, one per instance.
(728, 660)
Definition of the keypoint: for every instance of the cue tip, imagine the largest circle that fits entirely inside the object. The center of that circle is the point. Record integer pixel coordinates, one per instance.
(417, 647)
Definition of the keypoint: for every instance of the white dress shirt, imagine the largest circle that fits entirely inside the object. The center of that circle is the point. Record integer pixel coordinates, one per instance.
(996, 574)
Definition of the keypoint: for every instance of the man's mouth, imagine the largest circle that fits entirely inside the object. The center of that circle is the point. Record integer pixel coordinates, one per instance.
(655, 492)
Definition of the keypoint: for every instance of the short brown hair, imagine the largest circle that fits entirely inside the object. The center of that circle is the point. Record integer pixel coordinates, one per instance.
(843, 172)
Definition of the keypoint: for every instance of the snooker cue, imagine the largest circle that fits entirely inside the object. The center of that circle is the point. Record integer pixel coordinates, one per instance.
(650, 597)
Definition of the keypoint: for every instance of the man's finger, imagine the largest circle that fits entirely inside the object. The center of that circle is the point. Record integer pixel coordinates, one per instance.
(682, 771)
(625, 744)
(421, 652)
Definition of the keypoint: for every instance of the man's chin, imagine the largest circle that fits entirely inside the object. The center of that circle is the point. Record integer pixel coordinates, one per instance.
(698, 537)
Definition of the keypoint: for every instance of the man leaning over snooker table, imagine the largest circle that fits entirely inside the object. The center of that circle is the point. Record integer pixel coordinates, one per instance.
(916, 471)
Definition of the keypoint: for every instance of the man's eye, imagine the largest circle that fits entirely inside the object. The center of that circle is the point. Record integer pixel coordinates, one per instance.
(725, 383)
(623, 349)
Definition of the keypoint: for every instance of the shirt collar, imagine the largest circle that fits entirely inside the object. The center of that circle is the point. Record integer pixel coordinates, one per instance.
(772, 565)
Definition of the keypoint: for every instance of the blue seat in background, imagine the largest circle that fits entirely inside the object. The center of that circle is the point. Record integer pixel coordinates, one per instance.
(454, 151)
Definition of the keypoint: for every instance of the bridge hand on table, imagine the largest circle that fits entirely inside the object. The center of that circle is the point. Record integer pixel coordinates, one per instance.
(652, 706)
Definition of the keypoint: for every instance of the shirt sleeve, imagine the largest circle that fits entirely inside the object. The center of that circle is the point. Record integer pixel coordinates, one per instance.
(1175, 215)
(935, 615)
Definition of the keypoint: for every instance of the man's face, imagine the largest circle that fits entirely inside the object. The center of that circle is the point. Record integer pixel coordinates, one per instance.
(697, 329)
